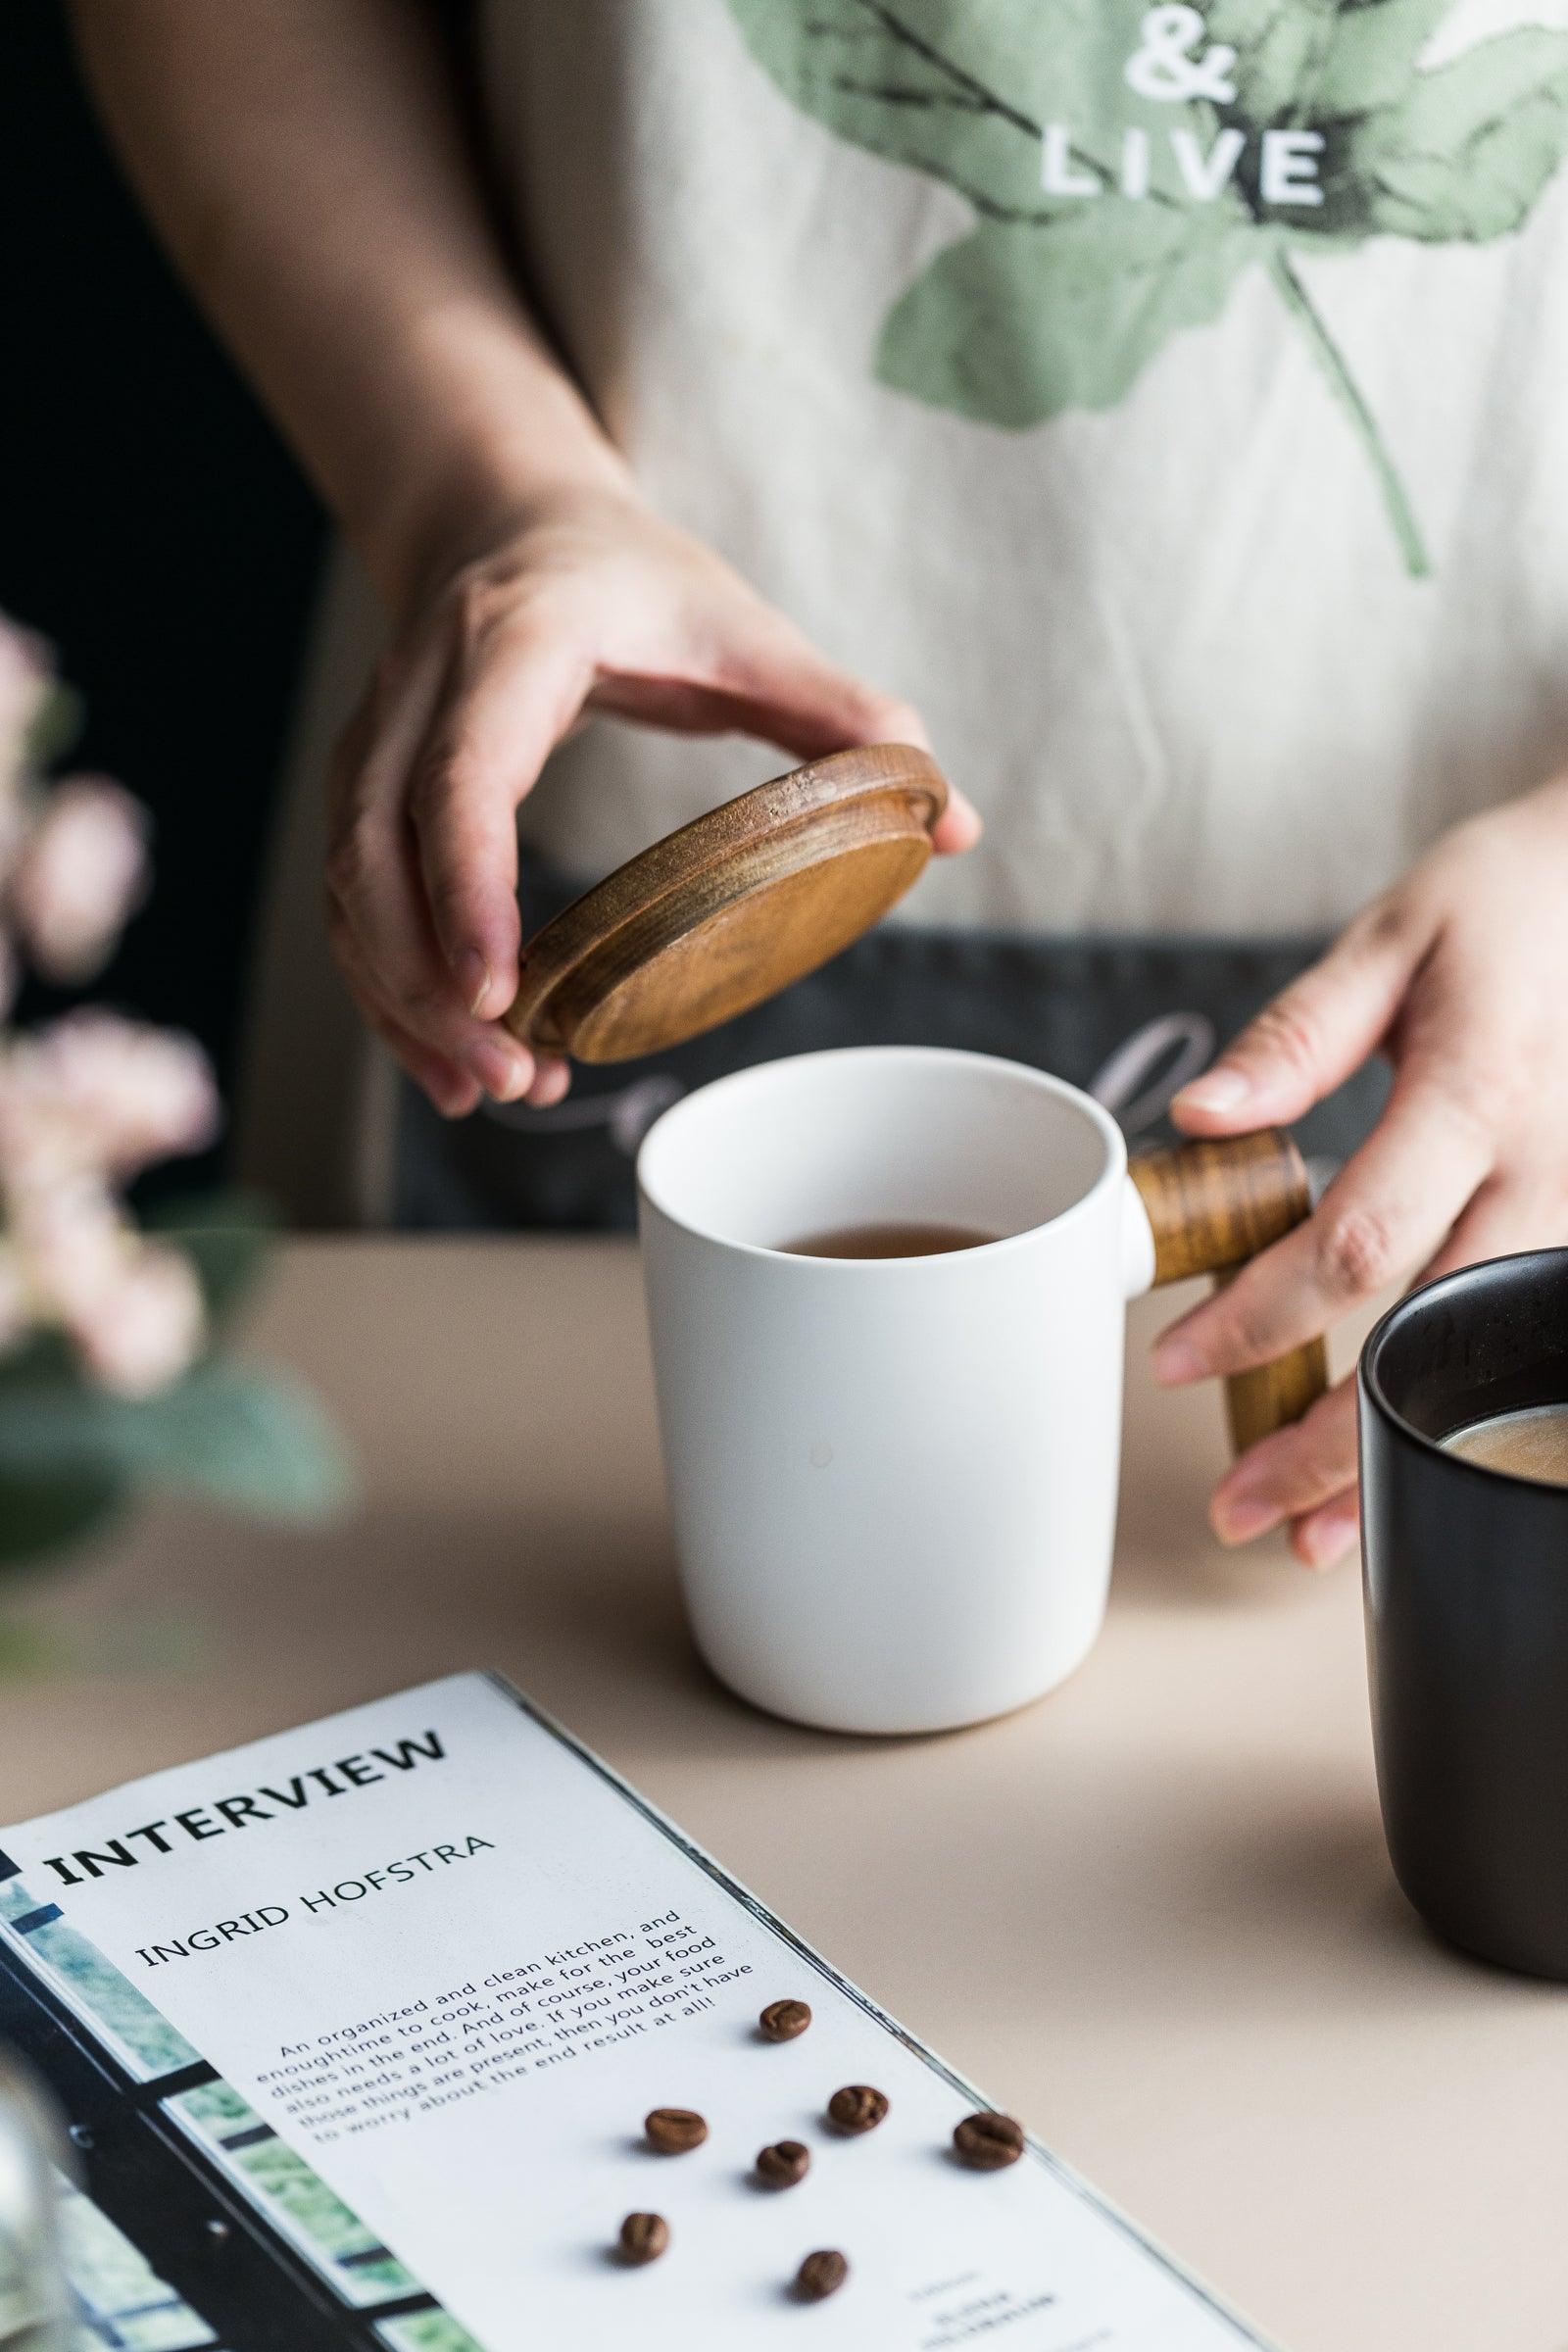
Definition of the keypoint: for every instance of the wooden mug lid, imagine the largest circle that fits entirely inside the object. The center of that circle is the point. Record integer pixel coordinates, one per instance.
(731, 908)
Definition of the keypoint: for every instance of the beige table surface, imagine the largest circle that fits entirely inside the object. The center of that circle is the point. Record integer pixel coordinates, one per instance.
(1153, 1915)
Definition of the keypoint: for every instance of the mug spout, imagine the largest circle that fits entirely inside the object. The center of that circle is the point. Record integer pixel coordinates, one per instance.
(1138, 1253)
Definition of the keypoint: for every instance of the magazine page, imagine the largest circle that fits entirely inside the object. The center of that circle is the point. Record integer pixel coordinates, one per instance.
(404, 1985)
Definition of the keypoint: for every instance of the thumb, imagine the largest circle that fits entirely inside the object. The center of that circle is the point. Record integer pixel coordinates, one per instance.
(797, 698)
(1314, 1035)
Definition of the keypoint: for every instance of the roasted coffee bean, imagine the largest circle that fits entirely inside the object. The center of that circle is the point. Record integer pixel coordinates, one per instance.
(989, 2141)
(783, 2020)
(675, 2131)
(642, 2237)
(858, 2107)
(821, 2274)
(783, 2164)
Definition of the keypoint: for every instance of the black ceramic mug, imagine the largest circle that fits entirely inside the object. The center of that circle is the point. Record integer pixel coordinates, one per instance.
(1467, 1610)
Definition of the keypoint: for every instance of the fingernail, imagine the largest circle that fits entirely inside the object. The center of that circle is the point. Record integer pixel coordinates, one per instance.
(1216, 1089)
(1323, 1545)
(1176, 1359)
(473, 978)
(550, 1085)
(504, 1071)
(970, 820)
(1237, 1518)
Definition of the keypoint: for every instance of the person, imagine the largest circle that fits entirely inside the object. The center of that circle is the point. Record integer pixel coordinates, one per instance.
(1157, 409)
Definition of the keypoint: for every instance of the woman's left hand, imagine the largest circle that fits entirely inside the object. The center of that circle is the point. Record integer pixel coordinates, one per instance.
(1459, 974)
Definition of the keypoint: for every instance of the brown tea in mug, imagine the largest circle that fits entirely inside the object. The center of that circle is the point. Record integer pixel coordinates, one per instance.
(907, 1240)
(1533, 1443)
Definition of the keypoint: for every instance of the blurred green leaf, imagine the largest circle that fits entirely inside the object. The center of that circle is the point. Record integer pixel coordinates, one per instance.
(42, 1355)
(235, 1433)
(40, 1516)
(72, 1453)
(56, 729)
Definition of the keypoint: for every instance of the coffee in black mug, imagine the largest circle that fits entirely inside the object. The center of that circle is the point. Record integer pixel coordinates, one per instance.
(1467, 1609)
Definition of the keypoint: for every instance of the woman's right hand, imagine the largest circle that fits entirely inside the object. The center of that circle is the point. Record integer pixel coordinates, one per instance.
(589, 603)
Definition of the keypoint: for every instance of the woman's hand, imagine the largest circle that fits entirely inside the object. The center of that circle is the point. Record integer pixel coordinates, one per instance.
(365, 291)
(590, 604)
(1460, 975)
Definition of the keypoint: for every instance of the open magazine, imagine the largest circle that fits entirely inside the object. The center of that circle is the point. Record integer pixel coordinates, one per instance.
(356, 2028)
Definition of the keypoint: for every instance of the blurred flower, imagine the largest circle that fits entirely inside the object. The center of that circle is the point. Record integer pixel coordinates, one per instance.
(78, 875)
(142, 1330)
(70, 1241)
(77, 1263)
(26, 684)
(95, 1092)
(84, 1104)
(87, 1101)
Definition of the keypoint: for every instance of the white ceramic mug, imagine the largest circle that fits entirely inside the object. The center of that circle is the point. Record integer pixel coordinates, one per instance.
(894, 1480)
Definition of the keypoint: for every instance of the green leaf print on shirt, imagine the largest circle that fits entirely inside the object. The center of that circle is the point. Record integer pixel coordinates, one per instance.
(1058, 298)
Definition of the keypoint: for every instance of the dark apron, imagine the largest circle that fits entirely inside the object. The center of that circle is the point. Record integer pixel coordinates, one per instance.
(1127, 1019)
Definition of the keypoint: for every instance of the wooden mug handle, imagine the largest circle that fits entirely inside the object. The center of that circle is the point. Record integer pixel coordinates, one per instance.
(1212, 1206)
